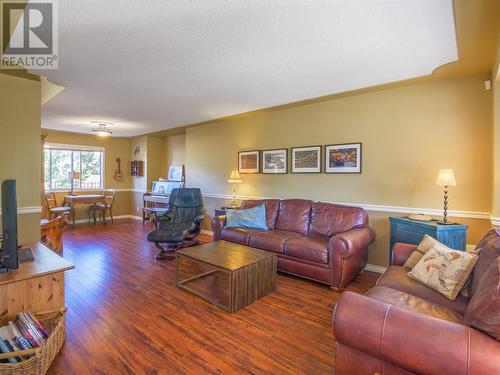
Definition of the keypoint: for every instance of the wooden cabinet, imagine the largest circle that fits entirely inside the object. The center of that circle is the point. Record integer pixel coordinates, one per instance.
(412, 232)
(36, 286)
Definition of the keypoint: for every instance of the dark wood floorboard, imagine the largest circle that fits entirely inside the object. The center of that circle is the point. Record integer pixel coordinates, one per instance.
(126, 316)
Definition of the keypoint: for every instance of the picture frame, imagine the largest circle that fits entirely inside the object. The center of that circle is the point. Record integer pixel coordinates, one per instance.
(165, 187)
(176, 173)
(306, 159)
(343, 158)
(275, 161)
(249, 161)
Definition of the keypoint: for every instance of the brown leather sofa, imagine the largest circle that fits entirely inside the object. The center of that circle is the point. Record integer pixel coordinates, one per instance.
(403, 327)
(319, 241)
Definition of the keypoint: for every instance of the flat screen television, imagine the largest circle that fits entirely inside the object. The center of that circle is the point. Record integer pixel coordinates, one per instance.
(9, 249)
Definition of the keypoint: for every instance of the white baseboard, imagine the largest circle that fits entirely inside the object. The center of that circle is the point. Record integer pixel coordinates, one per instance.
(119, 217)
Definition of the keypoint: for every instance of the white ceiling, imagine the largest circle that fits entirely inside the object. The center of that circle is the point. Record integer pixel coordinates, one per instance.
(159, 64)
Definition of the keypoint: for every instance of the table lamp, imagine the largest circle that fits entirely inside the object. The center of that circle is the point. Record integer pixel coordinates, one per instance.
(72, 177)
(446, 178)
(235, 179)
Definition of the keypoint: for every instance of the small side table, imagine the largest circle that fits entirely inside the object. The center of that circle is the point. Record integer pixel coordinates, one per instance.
(412, 232)
(222, 211)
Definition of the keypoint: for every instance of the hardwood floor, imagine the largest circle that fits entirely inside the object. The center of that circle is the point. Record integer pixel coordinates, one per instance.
(126, 316)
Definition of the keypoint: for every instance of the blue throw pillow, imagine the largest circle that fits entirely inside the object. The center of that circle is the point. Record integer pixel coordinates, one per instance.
(254, 218)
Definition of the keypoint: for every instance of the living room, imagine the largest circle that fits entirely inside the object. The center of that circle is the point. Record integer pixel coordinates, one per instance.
(395, 105)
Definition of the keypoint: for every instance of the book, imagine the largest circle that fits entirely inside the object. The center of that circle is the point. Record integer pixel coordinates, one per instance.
(25, 333)
(12, 348)
(32, 329)
(4, 348)
(38, 324)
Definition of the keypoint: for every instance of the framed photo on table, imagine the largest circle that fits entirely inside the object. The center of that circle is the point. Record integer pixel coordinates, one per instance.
(343, 158)
(275, 161)
(249, 161)
(306, 159)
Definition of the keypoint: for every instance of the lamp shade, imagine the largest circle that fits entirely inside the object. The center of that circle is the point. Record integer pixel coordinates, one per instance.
(446, 177)
(74, 175)
(234, 177)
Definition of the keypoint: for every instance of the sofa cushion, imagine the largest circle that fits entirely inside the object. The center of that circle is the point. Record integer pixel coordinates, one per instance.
(409, 302)
(423, 247)
(489, 250)
(396, 277)
(313, 248)
(483, 311)
(238, 235)
(444, 270)
(254, 218)
(294, 215)
(271, 240)
(271, 209)
(329, 219)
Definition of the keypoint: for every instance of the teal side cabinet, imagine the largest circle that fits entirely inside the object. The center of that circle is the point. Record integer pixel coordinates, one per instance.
(412, 231)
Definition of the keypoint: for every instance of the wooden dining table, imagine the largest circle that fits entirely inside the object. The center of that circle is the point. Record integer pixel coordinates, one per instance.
(72, 200)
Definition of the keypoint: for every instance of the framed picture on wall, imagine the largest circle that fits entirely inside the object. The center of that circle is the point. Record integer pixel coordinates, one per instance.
(306, 159)
(176, 173)
(275, 161)
(343, 158)
(249, 161)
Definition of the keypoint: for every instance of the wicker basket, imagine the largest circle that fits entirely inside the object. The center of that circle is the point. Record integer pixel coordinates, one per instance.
(55, 324)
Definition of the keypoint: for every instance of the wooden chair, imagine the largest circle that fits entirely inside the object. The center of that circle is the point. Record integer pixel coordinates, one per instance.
(52, 231)
(54, 210)
(107, 205)
(93, 210)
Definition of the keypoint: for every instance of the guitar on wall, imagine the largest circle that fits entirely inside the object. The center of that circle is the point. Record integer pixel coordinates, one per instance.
(118, 172)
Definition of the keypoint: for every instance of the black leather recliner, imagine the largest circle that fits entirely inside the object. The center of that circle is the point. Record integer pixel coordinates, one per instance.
(180, 226)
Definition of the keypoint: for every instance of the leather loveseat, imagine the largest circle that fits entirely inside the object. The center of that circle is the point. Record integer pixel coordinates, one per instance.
(403, 327)
(319, 241)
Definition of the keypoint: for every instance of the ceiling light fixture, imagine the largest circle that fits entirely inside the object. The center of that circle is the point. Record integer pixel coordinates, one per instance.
(102, 129)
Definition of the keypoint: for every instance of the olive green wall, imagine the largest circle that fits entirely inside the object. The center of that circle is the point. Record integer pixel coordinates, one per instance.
(496, 135)
(408, 133)
(496, 140)
(156, 160)
(20, 146)
(175, 148)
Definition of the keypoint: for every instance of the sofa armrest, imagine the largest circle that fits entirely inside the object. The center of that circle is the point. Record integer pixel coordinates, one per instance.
(401, 252)
(218, 223)
(348, 254)
(414, 342)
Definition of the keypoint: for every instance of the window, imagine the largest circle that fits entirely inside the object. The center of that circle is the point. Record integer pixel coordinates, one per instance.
(64, 161)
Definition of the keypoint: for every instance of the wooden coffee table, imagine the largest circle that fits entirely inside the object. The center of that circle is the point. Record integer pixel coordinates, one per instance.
(226, 274)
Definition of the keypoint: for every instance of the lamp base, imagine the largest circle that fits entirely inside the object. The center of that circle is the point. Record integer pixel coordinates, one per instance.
(440, 222)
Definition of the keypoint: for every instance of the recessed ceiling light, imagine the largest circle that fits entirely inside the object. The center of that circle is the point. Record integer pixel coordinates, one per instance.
(102, 129)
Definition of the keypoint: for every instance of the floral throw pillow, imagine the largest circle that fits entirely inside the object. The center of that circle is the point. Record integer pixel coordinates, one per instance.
(423, 247)
(444, 270)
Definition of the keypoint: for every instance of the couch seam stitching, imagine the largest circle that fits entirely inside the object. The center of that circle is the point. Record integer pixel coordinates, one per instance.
(382, 337)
